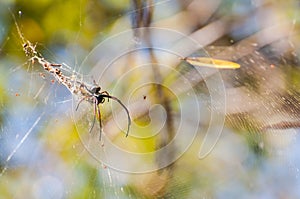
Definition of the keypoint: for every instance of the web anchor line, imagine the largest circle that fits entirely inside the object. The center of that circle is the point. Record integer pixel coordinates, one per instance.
(87, 92)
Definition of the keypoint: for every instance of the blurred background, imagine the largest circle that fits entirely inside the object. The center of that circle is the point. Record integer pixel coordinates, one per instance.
(47, 152)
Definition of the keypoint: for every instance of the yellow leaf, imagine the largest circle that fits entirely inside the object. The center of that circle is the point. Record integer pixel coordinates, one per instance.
(212, 63)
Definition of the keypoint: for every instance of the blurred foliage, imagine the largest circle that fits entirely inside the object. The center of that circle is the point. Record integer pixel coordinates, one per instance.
(247, 161)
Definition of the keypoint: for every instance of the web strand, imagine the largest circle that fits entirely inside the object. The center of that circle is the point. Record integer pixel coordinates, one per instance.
(86, 92)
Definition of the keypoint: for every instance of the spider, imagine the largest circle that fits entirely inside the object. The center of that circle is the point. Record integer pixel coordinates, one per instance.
(94, 96)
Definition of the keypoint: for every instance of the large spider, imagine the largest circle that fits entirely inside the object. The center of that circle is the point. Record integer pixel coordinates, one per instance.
(94, 96)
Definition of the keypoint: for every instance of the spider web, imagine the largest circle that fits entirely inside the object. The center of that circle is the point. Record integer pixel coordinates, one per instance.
(40, 143)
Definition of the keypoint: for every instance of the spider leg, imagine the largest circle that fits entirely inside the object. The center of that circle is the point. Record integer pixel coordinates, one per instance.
(100, 120)
(79, 103)
(119, 101)
(94, 119)
(97, 111)
(94, 82)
